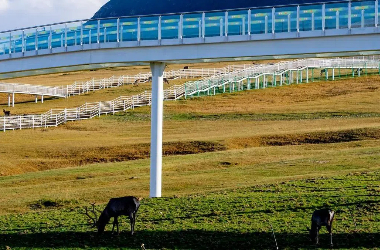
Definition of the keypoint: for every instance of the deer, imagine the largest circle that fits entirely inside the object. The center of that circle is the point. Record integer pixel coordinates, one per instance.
(6, 112)
(322, 217)
(116, 207)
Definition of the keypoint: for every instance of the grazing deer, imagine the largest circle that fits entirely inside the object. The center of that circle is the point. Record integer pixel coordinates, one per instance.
(322, 217)
(6, 112)
(116, 206)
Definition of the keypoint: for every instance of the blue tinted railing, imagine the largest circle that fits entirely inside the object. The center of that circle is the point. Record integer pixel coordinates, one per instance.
(311, 17)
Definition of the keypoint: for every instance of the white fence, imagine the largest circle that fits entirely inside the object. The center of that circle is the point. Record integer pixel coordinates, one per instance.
(234, 78)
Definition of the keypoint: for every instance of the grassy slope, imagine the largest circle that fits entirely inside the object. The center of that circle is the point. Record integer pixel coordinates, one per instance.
(240, 140)
(229, 219)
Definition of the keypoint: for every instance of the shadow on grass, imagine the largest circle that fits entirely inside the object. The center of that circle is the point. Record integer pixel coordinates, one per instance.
(189, 239)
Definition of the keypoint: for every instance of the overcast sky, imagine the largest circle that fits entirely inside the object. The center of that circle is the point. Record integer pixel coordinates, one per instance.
(26, 13)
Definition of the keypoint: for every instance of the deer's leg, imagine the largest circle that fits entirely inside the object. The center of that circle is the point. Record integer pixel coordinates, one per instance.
(330, 232)
(317, 242)
(113, 224)
(134, 221)
(131, 219)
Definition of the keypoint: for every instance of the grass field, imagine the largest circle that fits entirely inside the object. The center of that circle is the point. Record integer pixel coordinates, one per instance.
(231, 163)
(229, 219)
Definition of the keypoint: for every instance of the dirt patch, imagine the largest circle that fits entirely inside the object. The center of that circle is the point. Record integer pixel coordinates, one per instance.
(309, 138)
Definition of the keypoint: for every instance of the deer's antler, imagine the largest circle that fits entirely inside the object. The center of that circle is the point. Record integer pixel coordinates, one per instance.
(93, 218)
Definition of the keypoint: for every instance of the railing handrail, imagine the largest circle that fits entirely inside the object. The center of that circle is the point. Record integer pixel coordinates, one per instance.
(187, 13)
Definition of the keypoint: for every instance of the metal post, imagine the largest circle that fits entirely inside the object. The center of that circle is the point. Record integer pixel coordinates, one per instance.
(42, 99)
(249, 21)
(362, 19)
(98, 36)
(307, 75)
(51, 38)
(337, 20)
(312, 21)
(81, 33)
(243, 25)
(13, 99)
(203, 25)
(23, 41)
(65, 35)
(349, 15)
(376, 13)
(266, 24)
(138, 29)
(36, 99)
(333, 74)
(118, 30)
(159, 27)
(298, 18)
(226, 23)
(289, 28)
(156, 128)
(35, 41)
(180, 27)
(323, 17)
(273, 20)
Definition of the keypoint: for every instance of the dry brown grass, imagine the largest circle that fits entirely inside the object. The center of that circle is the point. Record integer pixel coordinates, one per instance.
(286, 115)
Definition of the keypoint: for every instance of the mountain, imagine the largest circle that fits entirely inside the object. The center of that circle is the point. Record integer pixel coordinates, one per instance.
(117, 8)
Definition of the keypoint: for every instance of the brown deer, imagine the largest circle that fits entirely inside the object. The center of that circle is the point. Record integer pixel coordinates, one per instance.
(6, 112)
(116, 206)
(322, 217)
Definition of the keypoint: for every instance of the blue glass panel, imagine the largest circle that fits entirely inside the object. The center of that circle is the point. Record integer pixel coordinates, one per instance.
(310, 17)
(30, 39)
(363, 14)
(334, 12)
(261, 21)
(43, 34)
(169, 26)
(128, 29)
(238, 22)
(16, 42)
(108, 31)
(149, 28)
(286, 19)
(73, 34)
(192, 25)
(215, 24)
(4, 43)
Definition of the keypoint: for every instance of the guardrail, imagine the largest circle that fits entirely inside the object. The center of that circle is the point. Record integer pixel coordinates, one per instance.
(242, 78)
(266, 20)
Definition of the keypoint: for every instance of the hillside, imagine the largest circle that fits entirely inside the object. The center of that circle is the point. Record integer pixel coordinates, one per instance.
(115, 8)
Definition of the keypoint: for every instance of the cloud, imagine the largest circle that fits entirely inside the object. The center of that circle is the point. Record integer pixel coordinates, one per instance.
(4, 5)
(28, 13)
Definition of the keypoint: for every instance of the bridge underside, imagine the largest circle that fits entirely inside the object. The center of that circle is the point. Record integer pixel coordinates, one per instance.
(289, 45)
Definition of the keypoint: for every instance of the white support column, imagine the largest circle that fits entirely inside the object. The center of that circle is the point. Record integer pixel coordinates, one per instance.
(42, 99)
(36, 99)
(13, 99)
(157, 69)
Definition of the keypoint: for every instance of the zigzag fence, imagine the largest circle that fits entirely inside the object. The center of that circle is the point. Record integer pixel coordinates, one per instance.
(78, 88)
(240, 78)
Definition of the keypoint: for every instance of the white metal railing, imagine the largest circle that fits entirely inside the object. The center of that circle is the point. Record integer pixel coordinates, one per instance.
(242, 76)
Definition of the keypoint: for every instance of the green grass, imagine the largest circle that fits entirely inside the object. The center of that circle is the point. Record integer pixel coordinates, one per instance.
(229, 219)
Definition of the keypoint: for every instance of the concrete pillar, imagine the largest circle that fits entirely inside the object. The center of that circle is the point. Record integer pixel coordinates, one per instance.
(13, 99)
(36, 99)
(157, 69)
(42, 99)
